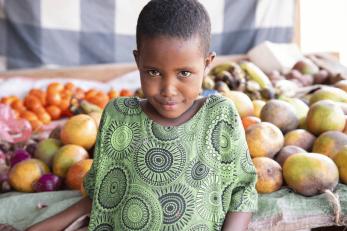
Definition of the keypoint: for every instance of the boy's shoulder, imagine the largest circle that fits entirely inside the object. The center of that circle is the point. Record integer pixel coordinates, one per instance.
(128, 106)
(218, 102)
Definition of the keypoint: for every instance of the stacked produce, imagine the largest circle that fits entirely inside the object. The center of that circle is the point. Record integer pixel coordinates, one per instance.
(65, 157)
(300, 143)
(59, 101)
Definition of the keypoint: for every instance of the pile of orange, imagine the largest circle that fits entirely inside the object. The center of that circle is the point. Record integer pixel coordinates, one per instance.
(39, 107)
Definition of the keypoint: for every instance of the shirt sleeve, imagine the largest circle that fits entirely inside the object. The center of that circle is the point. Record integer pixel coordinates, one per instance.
(244, 197)
(89, 181)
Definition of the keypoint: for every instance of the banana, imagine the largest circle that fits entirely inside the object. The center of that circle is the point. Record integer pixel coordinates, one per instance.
(89, 107)
(252, 86)
(75, 109)
(256, 74)
(231, 67)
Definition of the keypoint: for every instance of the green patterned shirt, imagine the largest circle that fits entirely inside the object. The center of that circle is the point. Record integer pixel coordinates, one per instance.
(146, 176)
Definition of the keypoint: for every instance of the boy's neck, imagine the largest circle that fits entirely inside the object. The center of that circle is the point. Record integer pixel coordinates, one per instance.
(153, 114)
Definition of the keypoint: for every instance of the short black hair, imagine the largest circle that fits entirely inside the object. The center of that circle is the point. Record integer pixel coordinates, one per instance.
(174, 18)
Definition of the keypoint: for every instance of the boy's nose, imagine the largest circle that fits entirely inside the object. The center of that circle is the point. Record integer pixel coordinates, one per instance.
(169, 89)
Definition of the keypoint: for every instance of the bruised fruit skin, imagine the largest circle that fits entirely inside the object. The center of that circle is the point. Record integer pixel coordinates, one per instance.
(329, 143)
(281, 114)
(341, 163)
(269, 175)
(300, 138)
(258, 137)
(23, 174)
(66, 157)
(324, 116)
(310, 174)
(77, 173)
(243, 103)
(286, 152)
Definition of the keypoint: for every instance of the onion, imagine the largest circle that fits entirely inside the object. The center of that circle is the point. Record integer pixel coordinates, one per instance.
(20, 155)
(31, 148)
(48, 182)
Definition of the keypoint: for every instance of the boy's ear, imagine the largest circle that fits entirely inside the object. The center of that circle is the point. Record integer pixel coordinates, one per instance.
(208, 62)
(136, 56)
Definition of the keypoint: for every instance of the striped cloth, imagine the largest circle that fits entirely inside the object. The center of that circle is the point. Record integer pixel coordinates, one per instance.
(37, 33)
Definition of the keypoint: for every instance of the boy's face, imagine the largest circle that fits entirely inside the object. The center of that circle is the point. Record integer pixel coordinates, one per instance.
(171, 72)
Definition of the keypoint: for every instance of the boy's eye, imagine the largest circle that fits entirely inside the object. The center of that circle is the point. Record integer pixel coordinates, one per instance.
(154, 73)
(184, 74)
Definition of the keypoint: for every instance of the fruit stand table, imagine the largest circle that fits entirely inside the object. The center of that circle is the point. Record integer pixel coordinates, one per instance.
(281, 210)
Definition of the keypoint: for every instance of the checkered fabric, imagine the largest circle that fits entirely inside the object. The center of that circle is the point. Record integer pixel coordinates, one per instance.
(36, 33)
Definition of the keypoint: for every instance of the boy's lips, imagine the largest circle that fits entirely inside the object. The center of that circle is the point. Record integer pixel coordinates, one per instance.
(169, 105)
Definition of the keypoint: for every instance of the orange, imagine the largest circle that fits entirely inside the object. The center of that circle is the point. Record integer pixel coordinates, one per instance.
(23, 174)
(32, 102)
(250, 120)
(53, 98)
(28, 115)
(104, 99)
(66, 157)
(42, 98)
(66, 94)
(44, 117)
(39, 110)
(126, 92)
(54, 111)
(18, 105)
(80, 130)
(55, 87)
(113, 94)
(64, 105)
(70, 86)
(79, 93)
(93, 99)
(36, 125)
(35, 92)
(16, 113)
(77, 173)
(92, 92)
(9, 100)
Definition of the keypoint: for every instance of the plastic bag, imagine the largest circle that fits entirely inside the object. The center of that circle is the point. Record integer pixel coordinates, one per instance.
(11, 129)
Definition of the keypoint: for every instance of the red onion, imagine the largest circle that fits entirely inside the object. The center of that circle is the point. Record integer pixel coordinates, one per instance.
(19, 156)
(31, 148)
(48, 182)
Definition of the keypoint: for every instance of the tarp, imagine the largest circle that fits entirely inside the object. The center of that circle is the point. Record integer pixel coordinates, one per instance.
(71, 33)
(281, 210)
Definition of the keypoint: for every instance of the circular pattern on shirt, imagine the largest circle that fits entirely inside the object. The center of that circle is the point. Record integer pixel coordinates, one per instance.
(141, 210)
(222, 142)
(245, 197)
(121, 139)
(227, 173)
(159, 164)
(226, 197)
(177, 204)
(162, 133)
(129, 106)
(112, 188)
(209, 200)
(190, 129)
(103, 222)
(211, 138)
(246, 161)
(196, 173)
(199, 227)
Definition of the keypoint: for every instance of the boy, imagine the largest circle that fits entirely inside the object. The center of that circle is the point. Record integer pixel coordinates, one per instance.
(172, 161)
